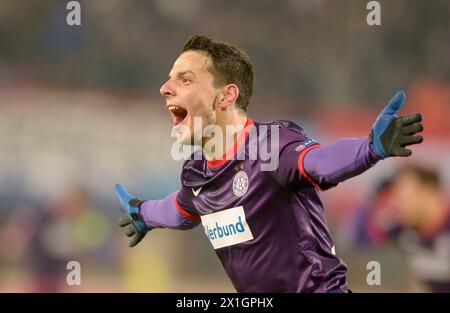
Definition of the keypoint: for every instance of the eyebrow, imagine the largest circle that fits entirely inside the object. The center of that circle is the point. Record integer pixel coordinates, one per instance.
(183, 73)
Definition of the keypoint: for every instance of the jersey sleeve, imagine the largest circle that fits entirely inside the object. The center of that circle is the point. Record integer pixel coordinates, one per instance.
(294, 145)
(184, 204)
(184, 197)
(164, 213)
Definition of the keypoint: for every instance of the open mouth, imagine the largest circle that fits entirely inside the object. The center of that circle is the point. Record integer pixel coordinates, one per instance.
(178, 114)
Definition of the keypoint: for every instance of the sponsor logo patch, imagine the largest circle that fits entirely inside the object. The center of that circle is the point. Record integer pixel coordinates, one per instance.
(226, 228)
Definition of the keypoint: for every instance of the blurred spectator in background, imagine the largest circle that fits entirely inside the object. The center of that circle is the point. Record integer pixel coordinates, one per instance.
(412, 209)
(45, 238)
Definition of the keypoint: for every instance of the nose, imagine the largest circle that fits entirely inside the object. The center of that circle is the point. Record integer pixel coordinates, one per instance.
(166, 89)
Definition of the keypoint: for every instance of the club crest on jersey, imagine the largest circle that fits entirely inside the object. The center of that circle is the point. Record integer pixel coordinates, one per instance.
(240, 183)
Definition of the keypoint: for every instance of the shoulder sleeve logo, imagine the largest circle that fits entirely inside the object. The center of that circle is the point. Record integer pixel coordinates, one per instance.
(306, 144)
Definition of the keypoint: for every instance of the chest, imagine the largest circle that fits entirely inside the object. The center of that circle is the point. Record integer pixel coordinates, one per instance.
(240, 184)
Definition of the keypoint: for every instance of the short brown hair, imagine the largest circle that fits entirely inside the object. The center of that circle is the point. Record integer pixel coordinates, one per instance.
(425, 175)
(231, 65)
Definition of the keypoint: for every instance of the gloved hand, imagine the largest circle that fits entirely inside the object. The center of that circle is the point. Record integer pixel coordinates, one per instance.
(391, 134)
(131, 218)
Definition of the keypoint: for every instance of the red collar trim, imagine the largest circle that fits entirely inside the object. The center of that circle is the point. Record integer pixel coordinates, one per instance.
(229, 155)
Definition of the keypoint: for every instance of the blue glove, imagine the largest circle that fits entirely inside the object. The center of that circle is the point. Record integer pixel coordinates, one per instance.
(131, 218)
(391, 134)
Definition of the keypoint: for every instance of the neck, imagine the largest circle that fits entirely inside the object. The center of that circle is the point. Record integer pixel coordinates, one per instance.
(231, 126)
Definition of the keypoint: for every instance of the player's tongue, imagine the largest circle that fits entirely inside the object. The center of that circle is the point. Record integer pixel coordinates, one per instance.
(178, 115)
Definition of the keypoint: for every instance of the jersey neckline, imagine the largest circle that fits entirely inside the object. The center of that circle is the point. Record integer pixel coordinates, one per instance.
(230, 153)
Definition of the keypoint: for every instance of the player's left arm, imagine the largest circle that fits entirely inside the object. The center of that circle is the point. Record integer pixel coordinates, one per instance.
(345, 158)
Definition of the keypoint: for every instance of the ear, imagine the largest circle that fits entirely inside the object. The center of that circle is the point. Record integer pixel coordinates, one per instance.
(230, 94)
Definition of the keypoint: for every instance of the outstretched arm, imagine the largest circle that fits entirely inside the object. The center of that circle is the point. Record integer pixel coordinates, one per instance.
(341, 160)
(166, 213)
(346, 158)
(139, 217)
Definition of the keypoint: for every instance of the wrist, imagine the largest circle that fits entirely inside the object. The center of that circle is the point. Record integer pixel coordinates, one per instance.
(135, 215)
(376, 147)
(373, 154)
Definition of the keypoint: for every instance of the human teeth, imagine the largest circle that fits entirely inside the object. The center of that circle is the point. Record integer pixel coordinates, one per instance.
(174, 108)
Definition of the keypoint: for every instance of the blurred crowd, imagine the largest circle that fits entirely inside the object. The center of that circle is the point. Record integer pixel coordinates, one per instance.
(312, 50)
(41, 238)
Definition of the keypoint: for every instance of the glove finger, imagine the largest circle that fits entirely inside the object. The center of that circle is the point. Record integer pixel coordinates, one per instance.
(123, 195)
(130, 230)
(395, 104)
(136, 239)
(402, 152)
(412, 129)
(410, 119)
(123, 220)
(410, 140)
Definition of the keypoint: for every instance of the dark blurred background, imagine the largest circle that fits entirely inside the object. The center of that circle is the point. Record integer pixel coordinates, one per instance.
(80, 110)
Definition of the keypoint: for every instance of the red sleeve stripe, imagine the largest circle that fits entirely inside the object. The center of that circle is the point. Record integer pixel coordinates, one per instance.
(302, 168)
(183, 211)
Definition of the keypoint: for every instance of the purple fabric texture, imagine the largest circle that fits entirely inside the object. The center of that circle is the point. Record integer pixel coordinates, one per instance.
(287, 245)
(164, 214)
(292, 249)
(340, 160)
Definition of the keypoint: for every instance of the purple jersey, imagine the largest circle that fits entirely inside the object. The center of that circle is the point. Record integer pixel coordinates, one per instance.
(267, 227)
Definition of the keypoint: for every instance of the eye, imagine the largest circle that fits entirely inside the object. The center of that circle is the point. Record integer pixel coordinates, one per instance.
(185, 80)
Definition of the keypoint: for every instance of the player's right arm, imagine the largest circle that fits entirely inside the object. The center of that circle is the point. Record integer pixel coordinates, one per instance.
(141, 216)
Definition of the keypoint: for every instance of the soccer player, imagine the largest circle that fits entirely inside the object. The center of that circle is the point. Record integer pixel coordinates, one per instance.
(267, 227)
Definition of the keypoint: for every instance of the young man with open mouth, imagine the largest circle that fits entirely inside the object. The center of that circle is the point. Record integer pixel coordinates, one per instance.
(267, 226)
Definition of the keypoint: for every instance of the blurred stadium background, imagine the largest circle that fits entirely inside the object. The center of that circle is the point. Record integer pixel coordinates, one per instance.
(80, 110)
